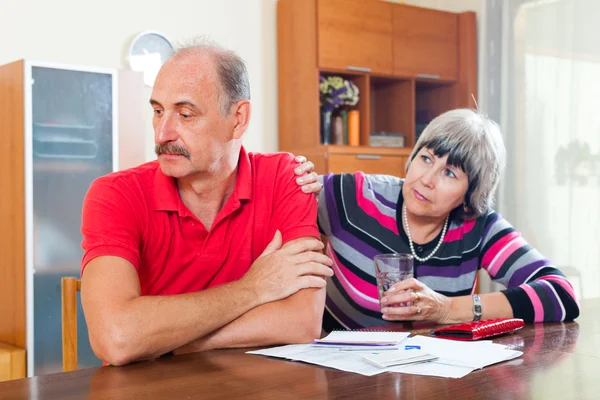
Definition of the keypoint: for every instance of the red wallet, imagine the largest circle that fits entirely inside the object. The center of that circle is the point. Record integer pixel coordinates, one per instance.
(480, 329)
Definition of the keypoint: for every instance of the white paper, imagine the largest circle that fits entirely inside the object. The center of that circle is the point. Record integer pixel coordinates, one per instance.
(364, 337)
(365, 349)
(281, 351)
(466, 354)
(432, 368)
(456, 359)
(341, 360)
(399, 357)
(330, 357)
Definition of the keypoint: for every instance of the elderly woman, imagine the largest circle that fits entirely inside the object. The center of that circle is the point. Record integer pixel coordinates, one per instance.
(440, 213)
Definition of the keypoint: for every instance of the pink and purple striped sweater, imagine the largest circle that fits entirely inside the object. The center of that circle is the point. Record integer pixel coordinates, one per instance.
(360, 215)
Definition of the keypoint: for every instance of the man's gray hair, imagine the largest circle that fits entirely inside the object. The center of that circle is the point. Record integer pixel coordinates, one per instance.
(473, 143)
(231, 71)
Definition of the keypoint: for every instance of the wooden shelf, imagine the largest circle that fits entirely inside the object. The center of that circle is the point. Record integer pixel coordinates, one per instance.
(347, 73)
(391, 110)
(361, 80)
(432, 98)
(433, 81)
(387, 151)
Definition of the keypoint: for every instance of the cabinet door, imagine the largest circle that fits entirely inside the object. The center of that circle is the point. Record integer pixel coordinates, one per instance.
(72, 135)
(355, 34)
(368, 163)
(425, 42)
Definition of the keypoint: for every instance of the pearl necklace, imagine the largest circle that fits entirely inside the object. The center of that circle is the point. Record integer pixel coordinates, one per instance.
(410, 242)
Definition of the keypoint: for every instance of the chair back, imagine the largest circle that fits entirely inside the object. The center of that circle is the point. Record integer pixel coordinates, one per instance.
(69, 288)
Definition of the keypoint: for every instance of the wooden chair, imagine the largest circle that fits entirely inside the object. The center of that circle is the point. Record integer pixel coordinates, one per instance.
(69, 288)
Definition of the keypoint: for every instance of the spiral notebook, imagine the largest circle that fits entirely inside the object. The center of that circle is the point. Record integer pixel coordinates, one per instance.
(362, 339)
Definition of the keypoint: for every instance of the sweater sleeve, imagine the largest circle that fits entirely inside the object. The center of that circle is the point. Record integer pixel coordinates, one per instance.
(536, 290)
(327, 203)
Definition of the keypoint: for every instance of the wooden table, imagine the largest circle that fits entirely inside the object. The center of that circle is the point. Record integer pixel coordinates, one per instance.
(560, 361)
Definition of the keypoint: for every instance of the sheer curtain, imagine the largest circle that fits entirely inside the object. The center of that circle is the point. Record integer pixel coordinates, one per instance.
(540, 79)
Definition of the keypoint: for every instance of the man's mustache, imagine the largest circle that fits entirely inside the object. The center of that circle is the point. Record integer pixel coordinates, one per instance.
(171, 148)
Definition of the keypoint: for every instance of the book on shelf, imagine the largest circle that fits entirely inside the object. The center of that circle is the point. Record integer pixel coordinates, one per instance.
(384, 139)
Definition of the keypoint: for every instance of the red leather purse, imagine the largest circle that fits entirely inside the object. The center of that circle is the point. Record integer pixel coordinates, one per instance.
(480, 329)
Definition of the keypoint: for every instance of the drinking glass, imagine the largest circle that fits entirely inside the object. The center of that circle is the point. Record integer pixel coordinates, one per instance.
(391, 269)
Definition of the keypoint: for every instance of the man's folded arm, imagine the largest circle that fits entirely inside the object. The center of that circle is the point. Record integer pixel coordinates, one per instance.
(125, 326)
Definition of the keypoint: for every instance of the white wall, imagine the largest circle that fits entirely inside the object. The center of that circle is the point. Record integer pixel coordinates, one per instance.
(99, 33)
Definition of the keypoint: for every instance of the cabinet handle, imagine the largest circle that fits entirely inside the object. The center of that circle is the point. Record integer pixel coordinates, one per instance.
(428, 76)
(368, 157)
(360, 69)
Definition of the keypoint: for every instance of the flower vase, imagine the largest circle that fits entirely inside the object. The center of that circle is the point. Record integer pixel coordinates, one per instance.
(325, 127)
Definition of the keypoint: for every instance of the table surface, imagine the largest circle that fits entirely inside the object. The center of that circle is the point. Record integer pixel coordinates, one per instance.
(560, 360)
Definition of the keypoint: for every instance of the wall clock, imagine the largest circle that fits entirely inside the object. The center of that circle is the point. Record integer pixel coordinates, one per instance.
(147, 53)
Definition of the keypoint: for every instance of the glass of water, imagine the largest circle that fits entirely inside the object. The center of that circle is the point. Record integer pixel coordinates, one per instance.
(391, 269)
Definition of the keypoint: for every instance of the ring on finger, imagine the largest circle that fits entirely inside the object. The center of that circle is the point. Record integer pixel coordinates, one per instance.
(417, 297)
(418, 310)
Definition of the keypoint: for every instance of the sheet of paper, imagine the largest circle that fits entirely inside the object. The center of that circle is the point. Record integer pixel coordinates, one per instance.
(466, 354)
(281, 351)
(432, 368)
(332, 358)
(341, 360)
(399, 357)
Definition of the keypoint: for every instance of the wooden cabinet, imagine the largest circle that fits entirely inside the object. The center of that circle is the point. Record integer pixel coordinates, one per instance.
(355, 34)
(61, 126)
(425, 43)
(368, 163)
(409, 63)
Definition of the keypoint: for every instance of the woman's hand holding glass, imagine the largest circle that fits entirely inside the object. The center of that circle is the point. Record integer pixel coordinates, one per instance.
(422, 303)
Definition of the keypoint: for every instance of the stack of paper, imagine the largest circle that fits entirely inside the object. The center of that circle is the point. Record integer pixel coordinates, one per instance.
(449, 358)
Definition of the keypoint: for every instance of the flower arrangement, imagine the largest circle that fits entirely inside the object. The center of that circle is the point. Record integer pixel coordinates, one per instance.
(336, 92)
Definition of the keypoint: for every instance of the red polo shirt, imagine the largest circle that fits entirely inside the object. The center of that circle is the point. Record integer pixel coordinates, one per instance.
(137, 214)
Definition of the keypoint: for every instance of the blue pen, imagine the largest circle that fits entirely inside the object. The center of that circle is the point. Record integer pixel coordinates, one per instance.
(411, 347)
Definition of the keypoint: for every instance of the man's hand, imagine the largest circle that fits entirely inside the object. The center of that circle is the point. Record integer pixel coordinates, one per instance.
(308, 179)
(278, 273)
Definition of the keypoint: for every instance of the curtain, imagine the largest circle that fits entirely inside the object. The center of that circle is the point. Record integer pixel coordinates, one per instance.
(540, 79)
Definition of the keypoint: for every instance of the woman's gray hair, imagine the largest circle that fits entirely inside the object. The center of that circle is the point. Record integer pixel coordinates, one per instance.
(231, 70)
(473, 143)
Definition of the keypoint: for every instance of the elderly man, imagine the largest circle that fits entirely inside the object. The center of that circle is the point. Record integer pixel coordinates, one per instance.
(209, 246)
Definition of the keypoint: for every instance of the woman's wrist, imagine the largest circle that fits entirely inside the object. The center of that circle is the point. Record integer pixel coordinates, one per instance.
(494, 305)
(461, 310)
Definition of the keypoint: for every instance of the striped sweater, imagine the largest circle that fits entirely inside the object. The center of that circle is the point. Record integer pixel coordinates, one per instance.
(361, 216)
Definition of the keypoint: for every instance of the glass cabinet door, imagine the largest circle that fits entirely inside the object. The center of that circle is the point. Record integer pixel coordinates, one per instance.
(72, 144)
